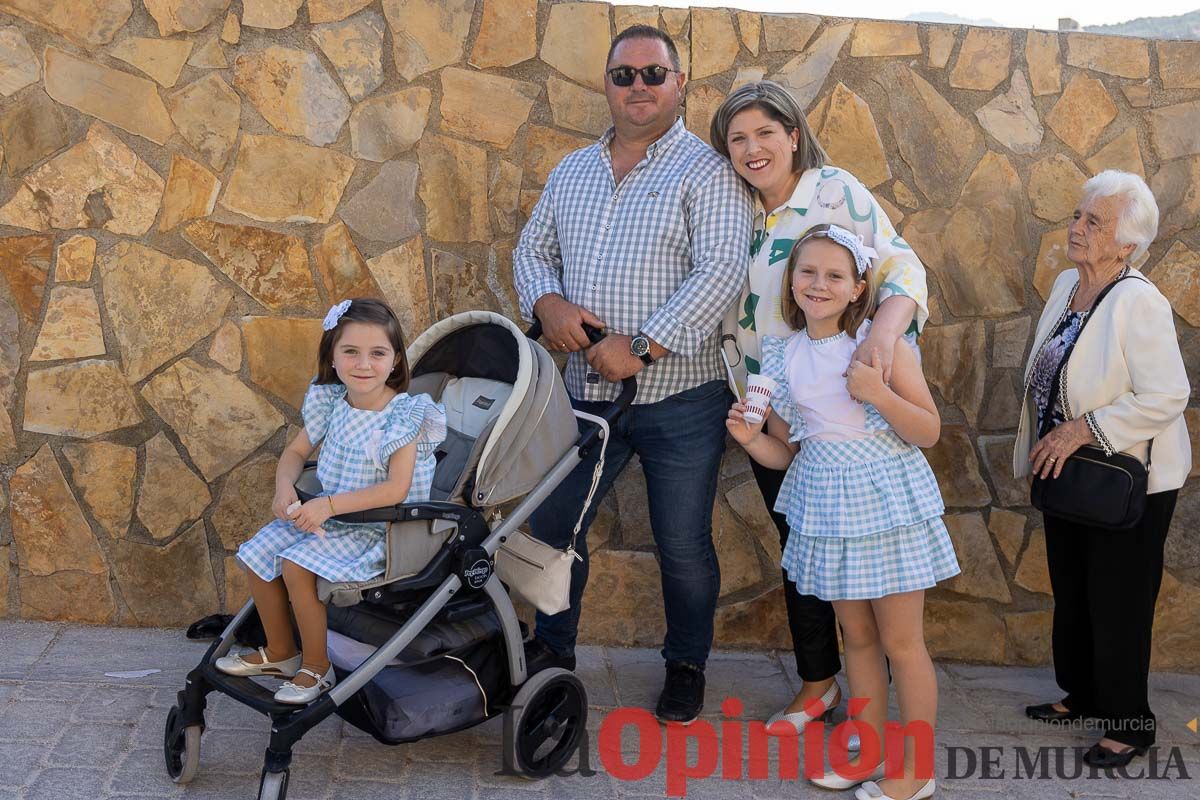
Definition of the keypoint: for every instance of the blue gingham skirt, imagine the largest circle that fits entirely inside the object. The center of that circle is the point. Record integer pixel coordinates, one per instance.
(865, 520)
(347, 552)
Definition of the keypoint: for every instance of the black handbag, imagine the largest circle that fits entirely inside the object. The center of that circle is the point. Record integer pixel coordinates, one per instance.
(1094, 489)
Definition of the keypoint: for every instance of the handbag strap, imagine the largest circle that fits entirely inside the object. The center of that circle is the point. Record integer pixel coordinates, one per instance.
(597, 473)
(1052, 401)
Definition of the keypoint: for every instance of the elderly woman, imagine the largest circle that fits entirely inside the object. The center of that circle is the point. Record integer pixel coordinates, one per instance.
(763, 132)
(1120, 386)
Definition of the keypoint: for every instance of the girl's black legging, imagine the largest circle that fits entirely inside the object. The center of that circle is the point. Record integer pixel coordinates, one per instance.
(811, 620)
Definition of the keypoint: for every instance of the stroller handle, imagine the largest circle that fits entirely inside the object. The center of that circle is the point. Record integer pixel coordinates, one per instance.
(628, 385)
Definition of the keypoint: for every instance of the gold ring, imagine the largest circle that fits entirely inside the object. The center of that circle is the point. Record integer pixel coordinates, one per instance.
(1052, 459)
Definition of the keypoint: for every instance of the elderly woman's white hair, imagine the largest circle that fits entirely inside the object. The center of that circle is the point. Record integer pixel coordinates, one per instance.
(1137, 223)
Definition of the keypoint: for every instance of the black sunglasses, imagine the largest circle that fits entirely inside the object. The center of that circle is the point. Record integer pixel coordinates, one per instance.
(653, 75)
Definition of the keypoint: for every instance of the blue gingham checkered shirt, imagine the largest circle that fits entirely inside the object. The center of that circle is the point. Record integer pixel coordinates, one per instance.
(663, 253)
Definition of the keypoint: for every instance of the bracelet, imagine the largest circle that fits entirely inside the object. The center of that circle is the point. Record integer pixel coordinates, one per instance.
(329, 497)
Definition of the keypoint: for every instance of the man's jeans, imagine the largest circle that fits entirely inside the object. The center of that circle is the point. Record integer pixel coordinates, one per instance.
(679, 440)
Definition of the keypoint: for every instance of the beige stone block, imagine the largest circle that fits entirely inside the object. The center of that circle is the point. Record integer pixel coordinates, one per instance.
(74, 259)
(628, 16)
(177, 16)
(191, 193)
(400, 273)
(1173, 130)
(676, 20)
(384, 127)
(427, 34)
(48, 527)
(1176, 186)
(1176, 640)
(1003, 406)
(545, 147)
(208, 113)
(334, 10)
(1179, 64)
(1009, 529)
(271, 267)
(1029, 637)
(789, 31)
(341, 266)
(1055, 187)
(155, 320)
(874, 38)
(71, 327)
(1082, 113)
(805, 74)
(83, 399)
(746, 502)
(714, 40)
(231, 31)
(954, 463)
(1012, 119)
(919, 115)
(245, 503)
(166, 586)
(981, 576)
(702, 103)
(226, 347)
(964, 631)
(1177, 276)
(1138, 94)
(8, 440)
(1032, 574)
(170, 494)
(19, 67)
(97, 183)
(954, 357)
(454, 190)
(464, 286)
(997, 458)
(1009, 340)
(237, 585)
(355, 48)
(904, 195)
(624, 600)
(293, 92)
(126, 101)
(209, 55)
(1123, 56)
(735, 552)
(1123, 153)
(279, 180)
(281, 353)
(846, 129)
(485, 108)
(754, 623)
(529, 199)
(66, 597)
(577, 108)
(1051, 260)
(941, 44)
(504, 194)
(24, 267)
(32, 128)
(507, 34)
(11, 352)
(891, 211)
(576, 42)
(161, 59)
(270, 14)
(747, 75)
(1042, 58)
(983, 59)
(86, 24)
(218, 418)
(385, 209)
(749, 30)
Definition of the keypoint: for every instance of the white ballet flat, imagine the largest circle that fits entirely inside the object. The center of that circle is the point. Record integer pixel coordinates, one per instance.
(831, 780)
(302, 695)
(237, 665)
(871, 791)
(798, 719)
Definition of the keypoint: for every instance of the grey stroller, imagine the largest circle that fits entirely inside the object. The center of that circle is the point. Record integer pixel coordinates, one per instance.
(434, 645)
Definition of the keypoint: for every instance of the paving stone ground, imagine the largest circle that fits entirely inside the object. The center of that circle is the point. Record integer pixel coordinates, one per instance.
(67, 731)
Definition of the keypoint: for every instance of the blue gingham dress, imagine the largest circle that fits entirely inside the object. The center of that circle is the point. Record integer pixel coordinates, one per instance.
(355, 453)
(865, 514)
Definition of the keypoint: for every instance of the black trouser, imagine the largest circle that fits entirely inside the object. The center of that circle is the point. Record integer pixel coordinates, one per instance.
(1105, 585)
(810, 619)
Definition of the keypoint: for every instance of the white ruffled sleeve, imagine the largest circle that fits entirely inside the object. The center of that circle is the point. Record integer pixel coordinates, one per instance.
(413, 419)
(317, 408)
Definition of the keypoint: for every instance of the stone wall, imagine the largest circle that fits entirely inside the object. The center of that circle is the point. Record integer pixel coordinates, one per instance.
(188, 185)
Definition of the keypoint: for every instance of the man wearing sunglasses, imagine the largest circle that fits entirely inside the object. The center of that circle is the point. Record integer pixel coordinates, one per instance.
(644, 234)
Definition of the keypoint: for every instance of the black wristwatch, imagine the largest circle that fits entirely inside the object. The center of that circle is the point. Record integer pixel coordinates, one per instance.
(640, 347)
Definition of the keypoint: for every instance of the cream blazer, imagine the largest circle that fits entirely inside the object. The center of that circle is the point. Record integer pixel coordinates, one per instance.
(1125, 377)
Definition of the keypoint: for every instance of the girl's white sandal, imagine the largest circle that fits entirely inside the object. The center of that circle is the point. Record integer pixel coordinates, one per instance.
(302, 695)
(237, 665)
(871, 791)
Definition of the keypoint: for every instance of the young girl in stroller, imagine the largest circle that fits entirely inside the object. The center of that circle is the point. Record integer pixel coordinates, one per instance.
(378, 446)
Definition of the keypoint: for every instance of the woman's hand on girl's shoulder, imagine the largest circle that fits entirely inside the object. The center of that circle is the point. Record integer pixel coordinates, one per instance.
(739, 428)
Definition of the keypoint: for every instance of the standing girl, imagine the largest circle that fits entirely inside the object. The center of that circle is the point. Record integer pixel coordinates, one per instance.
(378, 445)
(861, 502)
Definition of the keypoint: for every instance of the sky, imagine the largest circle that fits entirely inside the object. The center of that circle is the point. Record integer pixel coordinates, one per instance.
(1013, 13)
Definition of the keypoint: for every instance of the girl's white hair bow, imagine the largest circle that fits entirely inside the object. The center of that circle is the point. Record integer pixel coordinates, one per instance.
(335, 314)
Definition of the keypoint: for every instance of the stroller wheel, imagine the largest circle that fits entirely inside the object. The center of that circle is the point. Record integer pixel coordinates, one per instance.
(273, 785)
(547, 720)
(181, 747)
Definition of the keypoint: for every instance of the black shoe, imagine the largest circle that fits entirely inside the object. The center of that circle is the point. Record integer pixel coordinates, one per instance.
(539, 656)
(682, 695)
(1046, 712)
(1098, 756)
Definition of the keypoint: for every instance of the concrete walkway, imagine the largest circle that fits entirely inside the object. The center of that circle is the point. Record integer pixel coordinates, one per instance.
(68, 731)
